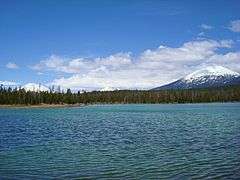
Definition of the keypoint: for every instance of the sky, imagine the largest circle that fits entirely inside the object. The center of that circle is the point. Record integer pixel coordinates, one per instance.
(127, 44)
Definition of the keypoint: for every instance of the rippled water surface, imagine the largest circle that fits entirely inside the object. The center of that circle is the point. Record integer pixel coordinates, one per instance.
(121, 141)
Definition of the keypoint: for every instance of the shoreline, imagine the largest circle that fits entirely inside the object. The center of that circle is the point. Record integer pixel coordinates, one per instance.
(42, 105)
(93, 104)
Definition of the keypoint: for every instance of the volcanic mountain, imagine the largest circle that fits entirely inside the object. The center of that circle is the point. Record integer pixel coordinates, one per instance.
(211, 76)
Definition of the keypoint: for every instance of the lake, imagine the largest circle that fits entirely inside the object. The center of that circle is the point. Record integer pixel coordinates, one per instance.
(178, 141)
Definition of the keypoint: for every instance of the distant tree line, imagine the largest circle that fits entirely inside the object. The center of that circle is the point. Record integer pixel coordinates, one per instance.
(9, 96)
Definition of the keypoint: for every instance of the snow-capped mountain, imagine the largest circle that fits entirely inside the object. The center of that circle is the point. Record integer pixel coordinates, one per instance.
(212, 76)
(35, 87)
(8, 83)
(108, 89)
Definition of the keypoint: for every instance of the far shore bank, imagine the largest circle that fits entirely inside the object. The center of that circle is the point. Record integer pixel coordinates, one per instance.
(41, 105)
(92, 104)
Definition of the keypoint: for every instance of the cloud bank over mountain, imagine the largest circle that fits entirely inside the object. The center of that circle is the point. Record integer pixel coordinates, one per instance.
(150, 68)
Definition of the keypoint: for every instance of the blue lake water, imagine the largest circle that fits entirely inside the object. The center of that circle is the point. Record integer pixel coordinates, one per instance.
(121, 141)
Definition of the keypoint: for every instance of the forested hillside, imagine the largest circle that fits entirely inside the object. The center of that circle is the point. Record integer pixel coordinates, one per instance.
(21, 97)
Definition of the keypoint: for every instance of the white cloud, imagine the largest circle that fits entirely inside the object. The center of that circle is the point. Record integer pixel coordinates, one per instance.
(235, 26)
(206, 27)
(201, 34)
(11, 65)
(77, 65)
(151, 68)
(190, 51)
(116, 60)
(53, 62)
(39, 73)
(230, 60)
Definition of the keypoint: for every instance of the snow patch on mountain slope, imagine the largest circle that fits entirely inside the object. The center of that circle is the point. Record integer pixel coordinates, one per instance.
(8, 83)
(108, 89)
(211, 76)
(212, 72)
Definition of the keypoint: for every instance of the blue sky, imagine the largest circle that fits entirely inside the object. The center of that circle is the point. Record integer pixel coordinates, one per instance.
(108, 43)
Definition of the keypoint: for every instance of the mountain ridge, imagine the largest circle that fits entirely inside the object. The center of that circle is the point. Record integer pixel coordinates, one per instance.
(211, 76)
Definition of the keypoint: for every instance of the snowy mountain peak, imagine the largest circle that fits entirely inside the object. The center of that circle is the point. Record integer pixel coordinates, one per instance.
(108, 89)
(211, 76)
(8, 83)
(211, 71)
(35, 87)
